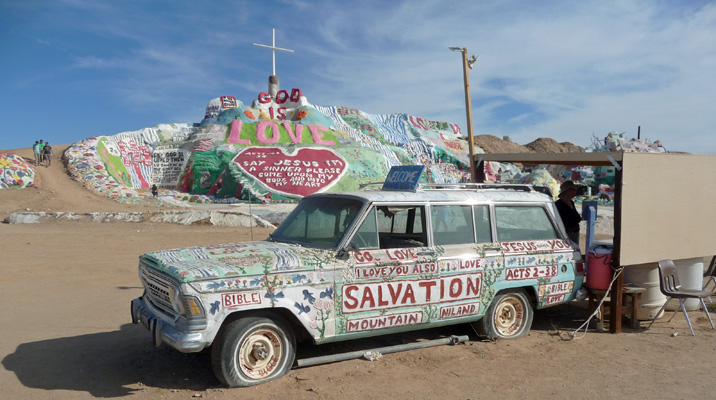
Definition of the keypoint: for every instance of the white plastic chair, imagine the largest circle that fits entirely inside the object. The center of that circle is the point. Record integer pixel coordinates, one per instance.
(671, 288)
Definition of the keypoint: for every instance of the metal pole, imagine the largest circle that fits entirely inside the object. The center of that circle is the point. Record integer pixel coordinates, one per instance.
(383, 350)
(251, 216)
(468, 111)
(273, 52)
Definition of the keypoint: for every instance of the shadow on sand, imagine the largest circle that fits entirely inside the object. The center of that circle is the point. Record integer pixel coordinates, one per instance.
(105, 364)
(112, 364)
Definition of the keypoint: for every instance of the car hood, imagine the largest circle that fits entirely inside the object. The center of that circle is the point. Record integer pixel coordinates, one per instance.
(246, 259)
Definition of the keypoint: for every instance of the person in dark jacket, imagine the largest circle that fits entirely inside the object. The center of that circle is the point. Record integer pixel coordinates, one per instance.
(46, 153)
(570, 216)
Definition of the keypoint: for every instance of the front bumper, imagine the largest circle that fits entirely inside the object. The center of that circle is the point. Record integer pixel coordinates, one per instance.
(163, 332)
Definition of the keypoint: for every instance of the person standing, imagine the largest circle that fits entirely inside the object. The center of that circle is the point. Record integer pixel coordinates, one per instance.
(570, 216)
(46, 153)
(36, 152)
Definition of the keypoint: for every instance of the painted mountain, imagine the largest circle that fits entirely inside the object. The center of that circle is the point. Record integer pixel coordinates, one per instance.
(278, 150)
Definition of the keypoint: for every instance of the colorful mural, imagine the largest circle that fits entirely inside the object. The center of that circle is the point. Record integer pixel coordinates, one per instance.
(372, 289)
(306, 171)
(15, 172)
(86, 165)
(278, 150)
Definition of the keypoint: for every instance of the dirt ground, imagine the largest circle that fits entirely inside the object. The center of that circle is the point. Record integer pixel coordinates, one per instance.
(66, 330)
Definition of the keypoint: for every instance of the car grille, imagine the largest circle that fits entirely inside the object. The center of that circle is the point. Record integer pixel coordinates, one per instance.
(159, 289)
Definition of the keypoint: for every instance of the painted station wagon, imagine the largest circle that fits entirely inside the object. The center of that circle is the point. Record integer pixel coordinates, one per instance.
(357, 264)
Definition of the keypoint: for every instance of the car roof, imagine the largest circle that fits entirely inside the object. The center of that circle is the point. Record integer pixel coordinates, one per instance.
(484, 194)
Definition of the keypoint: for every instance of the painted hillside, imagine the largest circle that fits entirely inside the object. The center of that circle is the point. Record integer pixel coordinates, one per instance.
(279, 149)
(15, 172)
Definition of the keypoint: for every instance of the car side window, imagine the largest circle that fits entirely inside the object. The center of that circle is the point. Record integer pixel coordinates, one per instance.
(452, 224)
(401, 226)
(482, 224)
(523, 223)
(367, 235)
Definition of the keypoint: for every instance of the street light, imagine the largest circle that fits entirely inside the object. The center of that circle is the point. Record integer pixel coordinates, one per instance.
(468, 64)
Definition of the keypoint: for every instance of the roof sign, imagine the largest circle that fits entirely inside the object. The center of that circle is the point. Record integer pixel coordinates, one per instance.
(403, 177)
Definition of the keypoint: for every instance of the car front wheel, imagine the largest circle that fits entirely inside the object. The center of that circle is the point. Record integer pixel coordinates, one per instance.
(253, 350)
(508, 317)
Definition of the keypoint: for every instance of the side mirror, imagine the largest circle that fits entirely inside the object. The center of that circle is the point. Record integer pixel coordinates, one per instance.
(344, 251)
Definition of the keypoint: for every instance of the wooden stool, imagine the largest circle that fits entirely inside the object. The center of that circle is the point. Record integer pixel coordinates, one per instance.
(631, 310)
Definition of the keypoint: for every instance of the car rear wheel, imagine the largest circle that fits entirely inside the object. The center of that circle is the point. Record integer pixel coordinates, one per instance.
(508, 317)
(253, 350)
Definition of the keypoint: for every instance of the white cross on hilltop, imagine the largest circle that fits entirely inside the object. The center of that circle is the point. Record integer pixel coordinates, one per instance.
(273, 49)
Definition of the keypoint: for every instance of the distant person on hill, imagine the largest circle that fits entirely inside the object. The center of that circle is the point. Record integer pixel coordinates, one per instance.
(46, 153)
(42, 151)
(155, 191)
(567, 210)
(37, 152)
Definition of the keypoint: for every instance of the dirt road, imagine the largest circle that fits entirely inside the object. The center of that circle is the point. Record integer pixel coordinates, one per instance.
(55, 191)
(66, 332)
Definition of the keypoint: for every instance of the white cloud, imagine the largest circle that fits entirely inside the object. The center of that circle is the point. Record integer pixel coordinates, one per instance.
(548, 68)
(586, 67)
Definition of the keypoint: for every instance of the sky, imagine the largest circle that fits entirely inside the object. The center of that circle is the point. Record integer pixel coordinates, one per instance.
(568, 70)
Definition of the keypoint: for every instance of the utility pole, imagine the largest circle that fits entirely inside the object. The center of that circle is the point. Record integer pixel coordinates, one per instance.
(468, 64)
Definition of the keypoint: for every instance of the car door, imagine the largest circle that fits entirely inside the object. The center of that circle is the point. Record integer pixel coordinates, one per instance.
(535, 254)
(382, 289)
(468, 259)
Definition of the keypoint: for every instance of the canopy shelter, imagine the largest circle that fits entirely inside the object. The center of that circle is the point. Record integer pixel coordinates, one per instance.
(663, 205)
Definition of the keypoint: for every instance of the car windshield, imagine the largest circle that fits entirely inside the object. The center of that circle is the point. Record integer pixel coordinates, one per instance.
(318, 222)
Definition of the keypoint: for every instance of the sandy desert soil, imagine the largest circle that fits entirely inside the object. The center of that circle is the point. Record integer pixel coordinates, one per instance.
(66, 331)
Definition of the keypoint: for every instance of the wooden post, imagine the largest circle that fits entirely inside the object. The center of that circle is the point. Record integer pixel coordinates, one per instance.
(615, 317)
(468, 111)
